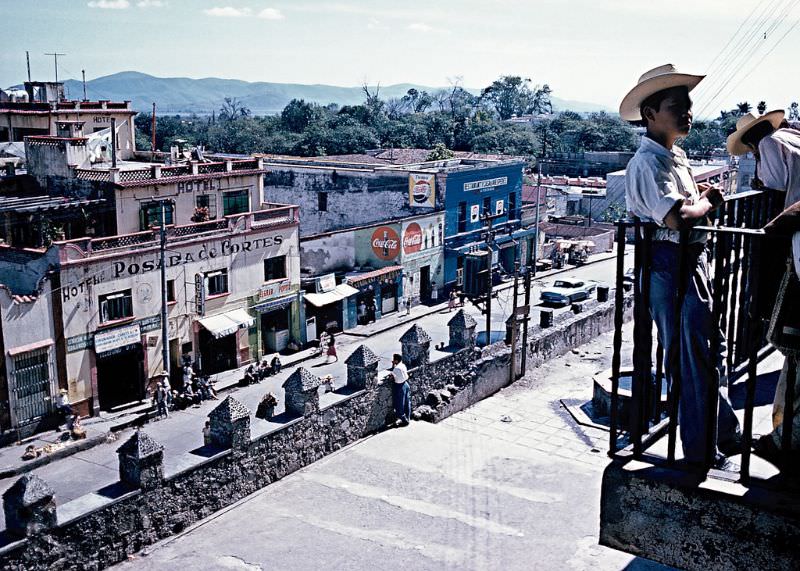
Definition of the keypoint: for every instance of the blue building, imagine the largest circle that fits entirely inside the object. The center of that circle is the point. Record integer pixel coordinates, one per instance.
(469, 195)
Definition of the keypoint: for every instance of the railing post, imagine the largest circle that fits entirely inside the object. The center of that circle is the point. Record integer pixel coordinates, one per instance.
(618, 323)
(752, 365)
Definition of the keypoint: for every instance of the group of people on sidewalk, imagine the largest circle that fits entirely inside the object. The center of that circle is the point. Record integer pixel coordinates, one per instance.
(660, 188)
(194, 389)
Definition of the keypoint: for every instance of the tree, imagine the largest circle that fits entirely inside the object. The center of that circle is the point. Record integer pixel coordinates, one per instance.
(297, 115)
(743, 108)
(762, 107)
(417, 101)
(439, 153)
(232, 109)
(511, 95)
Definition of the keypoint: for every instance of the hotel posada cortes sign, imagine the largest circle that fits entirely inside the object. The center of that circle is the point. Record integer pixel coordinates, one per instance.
(106, 341)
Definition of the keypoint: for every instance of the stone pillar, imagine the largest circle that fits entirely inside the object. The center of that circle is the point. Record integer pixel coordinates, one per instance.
(29, 506)
(141, 461)
(462, 330)
(300, 392)
(230, 425)
(362, 369)
(416, 345)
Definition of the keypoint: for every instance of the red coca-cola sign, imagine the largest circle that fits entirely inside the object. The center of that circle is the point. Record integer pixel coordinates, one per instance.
(385, 243)
(412, 239)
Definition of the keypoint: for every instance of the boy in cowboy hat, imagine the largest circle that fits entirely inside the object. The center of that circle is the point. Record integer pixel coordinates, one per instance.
(777, 152)
(660, 189)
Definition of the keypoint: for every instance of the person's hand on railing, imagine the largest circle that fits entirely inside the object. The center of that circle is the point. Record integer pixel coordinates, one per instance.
(713, 192)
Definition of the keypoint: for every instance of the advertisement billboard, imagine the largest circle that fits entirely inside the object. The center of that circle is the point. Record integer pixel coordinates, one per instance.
(421, 190)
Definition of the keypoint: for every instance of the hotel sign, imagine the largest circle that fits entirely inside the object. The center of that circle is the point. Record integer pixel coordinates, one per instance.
(485, 184)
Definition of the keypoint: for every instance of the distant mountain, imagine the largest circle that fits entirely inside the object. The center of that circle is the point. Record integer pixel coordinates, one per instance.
(202, 96)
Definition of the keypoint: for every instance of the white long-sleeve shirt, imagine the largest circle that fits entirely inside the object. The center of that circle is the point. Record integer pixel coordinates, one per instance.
(656, 178)
(779, 168)
(400, 373)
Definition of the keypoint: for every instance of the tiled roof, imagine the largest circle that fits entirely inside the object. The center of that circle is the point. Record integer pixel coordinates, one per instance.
(369, 276)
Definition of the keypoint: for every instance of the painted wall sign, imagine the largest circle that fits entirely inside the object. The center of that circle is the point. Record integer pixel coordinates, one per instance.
(475, 213)
(79, 342)
(227, 248)
(268, 291)
(486, 184)
(326, 283)
(199, 185)
(412, 238)
(422, 190)
(120, 337)
(385, 243)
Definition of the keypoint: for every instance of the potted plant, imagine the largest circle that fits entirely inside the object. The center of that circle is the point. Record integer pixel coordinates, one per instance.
(266, 408)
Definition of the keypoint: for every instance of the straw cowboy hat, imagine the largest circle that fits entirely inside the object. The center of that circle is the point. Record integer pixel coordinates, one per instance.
(653, 81)
(747, 122)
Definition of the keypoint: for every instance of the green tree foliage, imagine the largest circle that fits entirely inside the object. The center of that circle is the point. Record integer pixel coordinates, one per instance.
(440, 153)
(762, 107)
(512, 95)
(794, 111)
(452, 119)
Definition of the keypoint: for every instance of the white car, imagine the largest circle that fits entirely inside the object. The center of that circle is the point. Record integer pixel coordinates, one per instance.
(566, 291)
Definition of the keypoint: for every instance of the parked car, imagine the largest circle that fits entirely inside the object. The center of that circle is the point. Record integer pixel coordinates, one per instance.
(566, 291)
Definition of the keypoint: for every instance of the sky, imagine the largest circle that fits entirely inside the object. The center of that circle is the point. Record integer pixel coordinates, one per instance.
(587, 50)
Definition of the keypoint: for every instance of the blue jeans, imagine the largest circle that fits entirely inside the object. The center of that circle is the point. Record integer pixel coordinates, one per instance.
(401, 396)
(698, 366)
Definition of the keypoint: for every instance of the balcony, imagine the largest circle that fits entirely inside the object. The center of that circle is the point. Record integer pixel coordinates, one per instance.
(655, 504)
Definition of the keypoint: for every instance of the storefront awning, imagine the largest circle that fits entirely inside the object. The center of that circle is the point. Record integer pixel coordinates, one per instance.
(227, 323)
(274, 304)
(366, 277)
(341, 292)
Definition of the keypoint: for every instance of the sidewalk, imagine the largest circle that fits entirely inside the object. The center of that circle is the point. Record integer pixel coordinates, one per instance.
(105, 430)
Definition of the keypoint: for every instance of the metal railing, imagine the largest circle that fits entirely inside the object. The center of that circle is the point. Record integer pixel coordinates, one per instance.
(734, 249)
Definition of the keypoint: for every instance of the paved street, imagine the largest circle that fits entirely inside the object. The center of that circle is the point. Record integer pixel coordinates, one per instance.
(511, 483)
(86, 471)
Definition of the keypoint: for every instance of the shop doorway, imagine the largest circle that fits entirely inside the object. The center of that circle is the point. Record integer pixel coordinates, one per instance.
(425, 283)
(388, 297)
(120, 377)
(275, 335)
(217, 354)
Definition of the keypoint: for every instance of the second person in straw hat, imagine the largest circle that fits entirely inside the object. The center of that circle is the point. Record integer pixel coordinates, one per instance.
(660, 189)
(776, 148)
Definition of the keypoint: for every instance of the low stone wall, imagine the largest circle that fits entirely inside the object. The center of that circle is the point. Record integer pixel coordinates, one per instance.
(669, 516)
(146, 505)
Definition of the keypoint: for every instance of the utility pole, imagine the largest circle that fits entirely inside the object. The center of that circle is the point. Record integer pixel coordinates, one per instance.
(527, 286)
(538, 202)
(28, 61)
(163, 249)
(55, 60)
(513, 371)
(153, 131)
(489, 219)
(83, 75)
(113, 143)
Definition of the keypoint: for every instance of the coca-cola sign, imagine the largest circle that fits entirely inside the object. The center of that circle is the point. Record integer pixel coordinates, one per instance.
(412, 239)
(385, 243)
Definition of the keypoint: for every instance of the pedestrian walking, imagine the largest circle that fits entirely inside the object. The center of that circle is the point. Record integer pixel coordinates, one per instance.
(451, 303)
(401, 391)
(331, 357)
(362, 313)
(207, 433)
(660, 189)
(161, 397)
